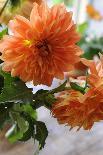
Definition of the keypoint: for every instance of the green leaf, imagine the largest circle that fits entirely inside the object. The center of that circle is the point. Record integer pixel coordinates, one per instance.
(46, 97)
(91, 47)
(17, 108)
(4, 116)
(21, 122)
(28, 114)
(30, 111)
(15, 3)
(49, 100)
(14, 134)
(1, 83)
(39, 98)
(41, 133)
(30, 132)
(3, 32)
(27, 108)
(15, 90)
(43, 98)
(19, 128)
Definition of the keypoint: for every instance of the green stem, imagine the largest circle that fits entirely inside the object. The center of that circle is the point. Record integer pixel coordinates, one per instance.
(4, 7)
(57, 90)
(39, 98)
(62, 87)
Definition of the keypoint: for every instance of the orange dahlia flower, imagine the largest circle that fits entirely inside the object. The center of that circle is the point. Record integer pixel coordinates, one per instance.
(71, 109)
(93, 13)
(75, 109)
(42, 48)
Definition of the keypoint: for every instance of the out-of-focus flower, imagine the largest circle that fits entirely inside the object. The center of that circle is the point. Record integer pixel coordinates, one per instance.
(93, 13)
(23, 8)
(75, 109)
(66, 2)
(42, 48)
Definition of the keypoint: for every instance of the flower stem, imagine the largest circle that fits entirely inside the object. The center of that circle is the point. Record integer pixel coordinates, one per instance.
(4, 7)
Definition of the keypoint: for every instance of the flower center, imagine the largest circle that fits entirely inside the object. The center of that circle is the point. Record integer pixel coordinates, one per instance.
(43, 47)
(27, 42)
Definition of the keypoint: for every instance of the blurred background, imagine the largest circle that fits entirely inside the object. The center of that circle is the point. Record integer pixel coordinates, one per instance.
(88, 15)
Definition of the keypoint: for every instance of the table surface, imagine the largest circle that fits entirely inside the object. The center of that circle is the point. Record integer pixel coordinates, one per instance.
(60, 141)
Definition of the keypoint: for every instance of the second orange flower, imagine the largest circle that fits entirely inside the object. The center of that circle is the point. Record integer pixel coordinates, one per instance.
(82, 110)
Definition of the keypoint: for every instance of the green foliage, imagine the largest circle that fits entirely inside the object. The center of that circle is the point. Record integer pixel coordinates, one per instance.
(58, 1)
(4, 114)
(30, 132)
(14, 4)
(91, 47)
(14, 90)
(15, 103)
(1, 83)
(3, 32)
(43, 98)
(49, 100)
(82, 28)
(25, 126)
(22, 124)
(19, 127)
(30, 111)
(46, 97)
(41, 133)
(23, 117)
(13, 134)
(62, 87)
(67, 2)
(15, 100)
(18, 105)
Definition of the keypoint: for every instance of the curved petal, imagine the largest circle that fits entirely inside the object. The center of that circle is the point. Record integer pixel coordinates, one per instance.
(19, 25)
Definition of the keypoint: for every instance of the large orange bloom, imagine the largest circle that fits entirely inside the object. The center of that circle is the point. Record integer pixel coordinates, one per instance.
(75, 109)
(42, 48)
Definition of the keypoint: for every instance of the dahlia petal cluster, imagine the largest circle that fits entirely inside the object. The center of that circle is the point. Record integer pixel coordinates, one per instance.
(81, 110)
(43, 47)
